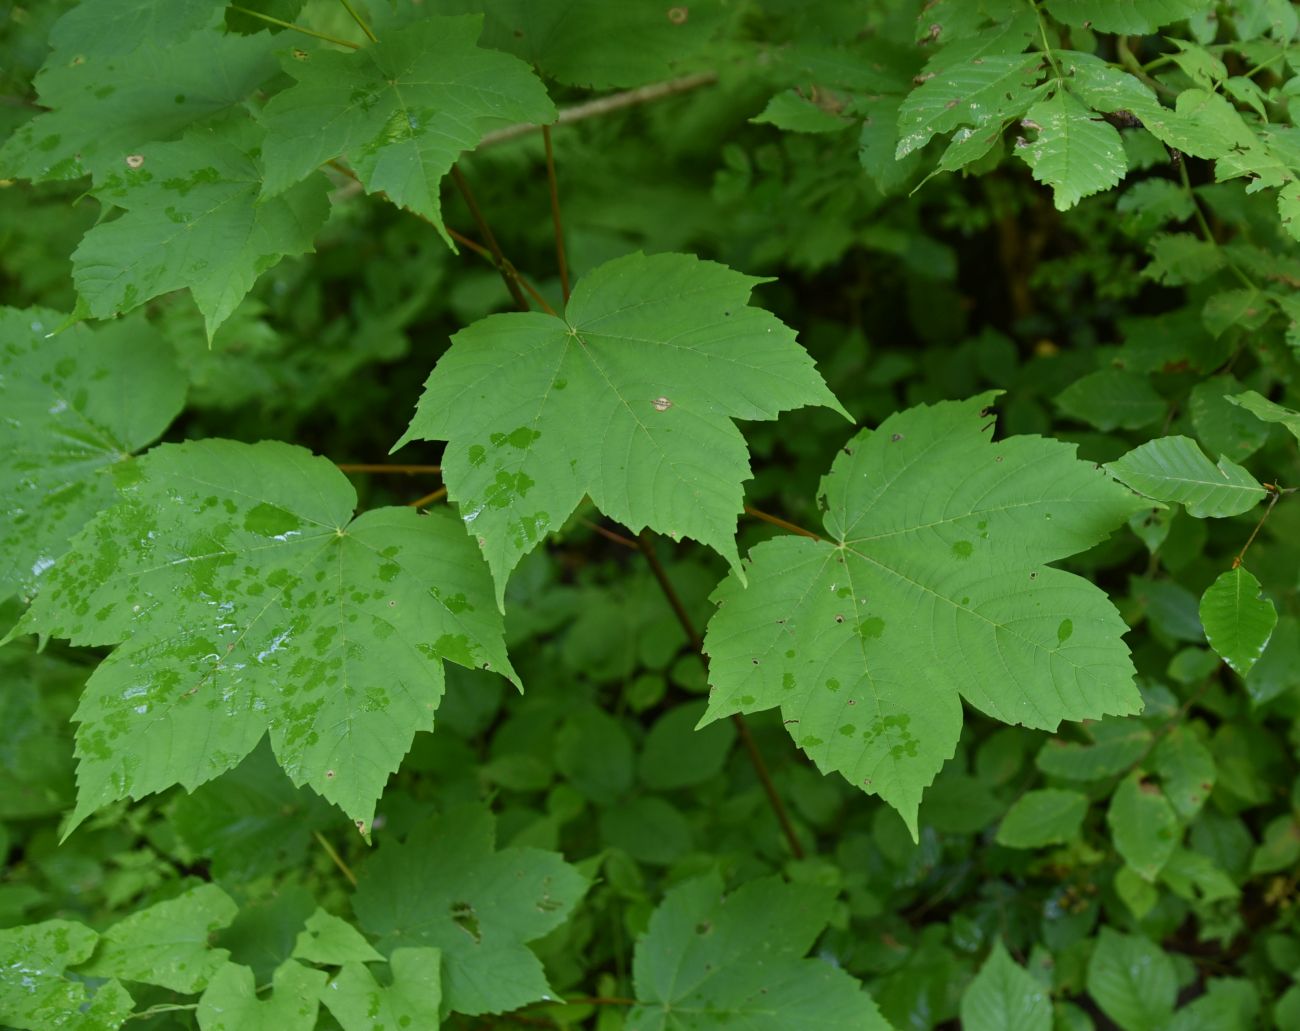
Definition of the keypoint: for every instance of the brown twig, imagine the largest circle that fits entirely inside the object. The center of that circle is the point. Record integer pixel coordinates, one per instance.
(604, 105)
(742, 728)
(785, 524)
(560, 258)
(428, 499)
(1273, 496)
(617, 538)
(381, 467)
(499, 259)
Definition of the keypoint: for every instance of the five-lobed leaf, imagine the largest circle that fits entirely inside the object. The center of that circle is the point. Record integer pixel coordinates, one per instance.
(194, 218)
(709, 960)
(249, 603)
(630, 398)
(1237, 618)
(76, 404)
(933, 588)
(1174, 469)
(399, 112)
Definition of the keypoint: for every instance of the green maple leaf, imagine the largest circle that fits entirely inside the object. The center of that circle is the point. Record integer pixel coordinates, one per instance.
(630, 397)
(713, 961)
(250, 604)
(480, 910)
(412, 999)
(105, 109)
(400, 111)
(1074, 153)
(36, 992)
(113, 28)
(194, 218)
(76, 404)
(933, 587)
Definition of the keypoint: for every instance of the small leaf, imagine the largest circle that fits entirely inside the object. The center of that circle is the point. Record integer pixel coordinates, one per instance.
(481, 909)
(1178, 259)
(1005, 997)
(1288, 208)
(1222, 424)
(631, 398)
(1238, 619)
(1132, 981)
(412, 1000)
(400, 112)
(1049, 816)
(1266, 410)
(1143, 826)
(1174, 469)
(791, 111)
(1073, 152)
(328, 940)
(1186, 767)
(1116, 745)
(231, 1002)
(738, 960)
(1111, 399)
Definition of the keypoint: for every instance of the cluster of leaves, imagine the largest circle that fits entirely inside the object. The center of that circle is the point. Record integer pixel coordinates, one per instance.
(314, 751)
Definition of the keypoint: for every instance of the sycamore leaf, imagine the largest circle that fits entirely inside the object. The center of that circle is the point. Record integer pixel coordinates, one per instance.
(37, 994)
(1174, 469)
(250, 604)
(231, 1001)
(1074, 153)
(1136, 17)
(167, 943)
(105, 109)
(75, 405)
(1238, 619)
(400, 111)
(595, 43)
(194, 219)
(412, 1000)
(481, 909)
(630, 397)
(709, 960)
(112, 28)
(933, 587)
(1268, 411)
(1005, 997)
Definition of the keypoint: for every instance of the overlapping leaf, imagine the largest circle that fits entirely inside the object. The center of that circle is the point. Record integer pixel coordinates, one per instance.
(933, 587)
(481, 909)
(1174, 469)
(75, 405)
(1268, 411)
(713, 961)
(250, 604)
(36, 992)
(630, 398)
(194, 219)
(412, 1000)
(232, 1003)
(1124, 16)
(106, 108)
(1073, 152)
(400, 111)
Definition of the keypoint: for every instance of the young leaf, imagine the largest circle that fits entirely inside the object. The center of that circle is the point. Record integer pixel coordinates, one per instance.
(105, 109)
(1174, 469)
(1074, 153)
(194, 219)
(630, 398)
(251, 604)
(1238, 619)
(75, 405)
(35, 991)
(1186, 768)
(1132, 981)
(1049, 816)
(167, 943)
(400, 112)
(1262, 408)
(412, 999)
(481, 909)
(709, 960)
(1137, 17)
(934, 587)
(1143, 826)
(328, 940)
(1005, 997)
(231, 1001)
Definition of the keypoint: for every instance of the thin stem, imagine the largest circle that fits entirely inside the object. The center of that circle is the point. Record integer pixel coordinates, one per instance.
(296, 28)
(428, 499)
(560, 258)
(742, 728)
(1130, 62)
(785, 524)
(163, 1007)
(1274, 494)
(1042, 34)
(381, 467)
(361, 22)
(486, 232)
(617, 538)
(604, 105)
(1206, 231)
(338, 859)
